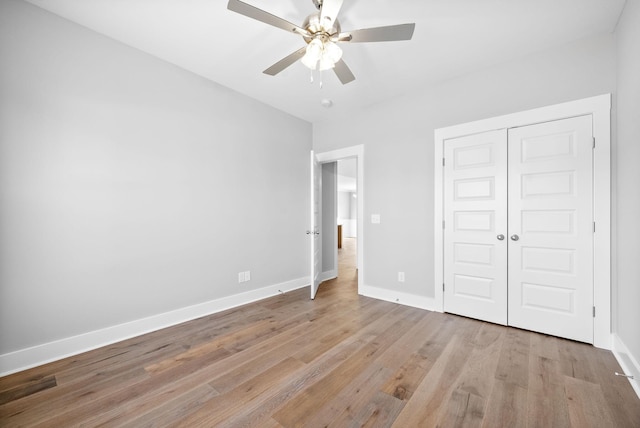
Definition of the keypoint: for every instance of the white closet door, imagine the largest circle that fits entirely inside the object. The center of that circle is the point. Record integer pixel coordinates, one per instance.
(475, 213)
(551, 228)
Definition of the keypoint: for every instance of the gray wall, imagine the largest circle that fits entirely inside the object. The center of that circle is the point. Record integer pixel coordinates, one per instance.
(329, 210)
(344, 205)
(398, 140)
(129, 187)
(627, 178)
(348, 213)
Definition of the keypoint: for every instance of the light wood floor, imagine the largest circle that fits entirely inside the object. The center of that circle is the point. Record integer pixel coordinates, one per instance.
(341, 360)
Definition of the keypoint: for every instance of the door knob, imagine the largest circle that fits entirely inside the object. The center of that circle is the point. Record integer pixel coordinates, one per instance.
(500, 237)
(514, 237)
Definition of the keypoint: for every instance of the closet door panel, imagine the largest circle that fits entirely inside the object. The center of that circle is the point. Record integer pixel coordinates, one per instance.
(551, 228)
(475, 213)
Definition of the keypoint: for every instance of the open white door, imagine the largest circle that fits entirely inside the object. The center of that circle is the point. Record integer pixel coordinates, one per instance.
(316, 223)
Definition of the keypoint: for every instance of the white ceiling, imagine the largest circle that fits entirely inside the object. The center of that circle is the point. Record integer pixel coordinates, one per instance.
(452, 37)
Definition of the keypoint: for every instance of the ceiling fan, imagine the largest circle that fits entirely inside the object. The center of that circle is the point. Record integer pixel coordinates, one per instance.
(321, 31)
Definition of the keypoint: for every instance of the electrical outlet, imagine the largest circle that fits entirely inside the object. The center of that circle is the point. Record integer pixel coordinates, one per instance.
(247, 275)
(375, 218)
(240, 276)
(400, 276)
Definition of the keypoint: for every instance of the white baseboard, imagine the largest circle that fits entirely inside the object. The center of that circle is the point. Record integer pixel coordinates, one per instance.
(406, 299)
(327, 275)
(628, 362)
(41, 354)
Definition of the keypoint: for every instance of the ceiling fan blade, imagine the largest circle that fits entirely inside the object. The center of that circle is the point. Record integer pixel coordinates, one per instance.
(260, 15)
(379, 34)
(285, 62)
(343, 72)
(330, 10)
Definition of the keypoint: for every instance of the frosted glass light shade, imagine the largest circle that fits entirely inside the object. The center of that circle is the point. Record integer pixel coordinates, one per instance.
(309, 61)
(332, 51)
(321, 55)
(325, 63)
(313, 54)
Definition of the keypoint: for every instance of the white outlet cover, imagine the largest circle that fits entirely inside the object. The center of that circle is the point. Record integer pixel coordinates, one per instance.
(375, 218)
(247, 275)
(240, 276)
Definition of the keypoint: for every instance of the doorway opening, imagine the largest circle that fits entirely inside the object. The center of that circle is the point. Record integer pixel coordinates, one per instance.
(339, 224)
(342, 220)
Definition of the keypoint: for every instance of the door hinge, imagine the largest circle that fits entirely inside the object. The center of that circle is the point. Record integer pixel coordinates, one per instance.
(594, 311)
(594, 142)
(594, 227)
(442, 161)
(443, 286)
(443, 224)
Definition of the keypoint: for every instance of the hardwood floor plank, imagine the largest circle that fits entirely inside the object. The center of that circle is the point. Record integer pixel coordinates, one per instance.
(284, 344)
(139, 395)
(381, 411)
(404, 381)
(24, 390)
(546, 399)
(298, 409)
(345, 406)
(222, 407)
(464, 409)
(255, 416)
(574, 360)
(55, 401)
(423, 407)
(507, 406)
(513, 365)
(166, 412)
(587, 405)
(472, 389)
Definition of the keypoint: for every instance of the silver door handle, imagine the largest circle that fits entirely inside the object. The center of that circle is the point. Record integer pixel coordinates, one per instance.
(500, 237)
(514, 237)
(309, 232)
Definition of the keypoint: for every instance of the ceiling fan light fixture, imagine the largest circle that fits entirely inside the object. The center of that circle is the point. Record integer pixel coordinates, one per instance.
(332, 51)
(321, 31)
(321, 54)
(313, 54)
(309, 62)
(325, 63)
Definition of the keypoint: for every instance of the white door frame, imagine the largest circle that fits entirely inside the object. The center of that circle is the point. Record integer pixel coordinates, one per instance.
(358, 153)
(600, 109)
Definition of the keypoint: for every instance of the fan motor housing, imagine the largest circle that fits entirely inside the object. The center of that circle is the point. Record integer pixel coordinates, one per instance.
(316, 28)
